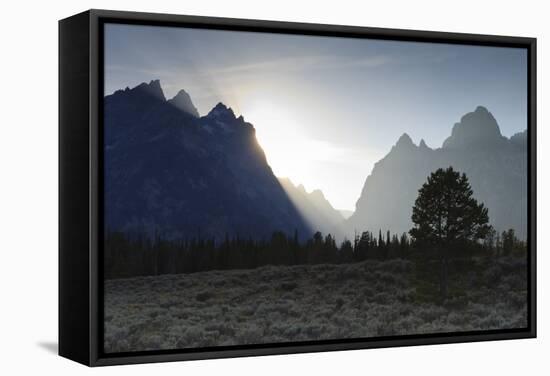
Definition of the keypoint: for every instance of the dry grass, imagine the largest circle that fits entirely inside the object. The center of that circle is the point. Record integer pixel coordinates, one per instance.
(299, 303)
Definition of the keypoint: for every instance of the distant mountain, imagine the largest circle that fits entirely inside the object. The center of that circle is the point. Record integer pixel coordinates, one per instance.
(315, 209)
(495, 165)
(520, 139)
(182, 101)
(346, 213)
(170, 172)
(476, 130)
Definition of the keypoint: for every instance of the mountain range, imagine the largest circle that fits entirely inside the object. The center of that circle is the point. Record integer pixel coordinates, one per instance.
(171, 172)
(315, 209)
(495, 165)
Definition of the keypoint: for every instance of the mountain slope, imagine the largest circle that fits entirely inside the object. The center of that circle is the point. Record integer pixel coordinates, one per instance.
(495, 165)
(315, 209)
(172, 173)
(182, 101)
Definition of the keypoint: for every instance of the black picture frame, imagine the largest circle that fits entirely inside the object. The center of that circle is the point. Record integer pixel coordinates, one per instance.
(80, 193)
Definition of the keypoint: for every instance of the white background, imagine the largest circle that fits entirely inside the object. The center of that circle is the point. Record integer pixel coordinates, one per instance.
(28, 186)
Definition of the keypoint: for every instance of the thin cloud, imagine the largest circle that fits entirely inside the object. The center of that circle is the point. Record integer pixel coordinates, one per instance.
(297, 63)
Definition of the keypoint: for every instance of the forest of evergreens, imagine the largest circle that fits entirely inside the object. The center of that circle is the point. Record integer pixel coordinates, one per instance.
(128, 257)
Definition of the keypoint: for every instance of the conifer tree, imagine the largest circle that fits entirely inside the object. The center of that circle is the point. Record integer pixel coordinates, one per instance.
(447, 217)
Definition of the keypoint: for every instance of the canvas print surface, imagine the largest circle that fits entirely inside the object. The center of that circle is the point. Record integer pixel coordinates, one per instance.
(271, 188)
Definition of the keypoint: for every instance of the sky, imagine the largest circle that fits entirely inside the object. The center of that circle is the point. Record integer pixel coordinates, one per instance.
(325, 109)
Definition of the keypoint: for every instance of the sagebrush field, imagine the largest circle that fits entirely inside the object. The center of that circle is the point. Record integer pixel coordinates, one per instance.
(307, 302)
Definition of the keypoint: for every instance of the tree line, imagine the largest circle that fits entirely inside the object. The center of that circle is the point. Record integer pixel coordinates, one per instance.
(126, 256)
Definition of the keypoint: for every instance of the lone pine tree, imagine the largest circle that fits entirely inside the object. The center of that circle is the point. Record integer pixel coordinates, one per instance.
(447, 217)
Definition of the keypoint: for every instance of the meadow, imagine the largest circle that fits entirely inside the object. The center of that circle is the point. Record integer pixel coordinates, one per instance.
(274, 304)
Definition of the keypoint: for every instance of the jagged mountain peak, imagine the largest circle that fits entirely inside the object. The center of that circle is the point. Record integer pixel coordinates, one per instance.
(222, 119)
(301, 188)
(404, 143)
(475, 129)
(317, 194)
(423, 145)
(152, 88)
(182, 100)
(405, 139)
(482, 109)
(222, 112)
(144, 90)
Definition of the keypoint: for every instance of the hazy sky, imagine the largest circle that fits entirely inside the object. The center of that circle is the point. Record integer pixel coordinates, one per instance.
(325, 109)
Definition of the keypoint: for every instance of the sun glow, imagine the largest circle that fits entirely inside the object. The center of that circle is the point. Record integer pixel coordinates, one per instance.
(298, 147)
(289, 151)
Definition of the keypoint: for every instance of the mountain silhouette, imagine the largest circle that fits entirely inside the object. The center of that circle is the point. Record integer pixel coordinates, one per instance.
(182, 101)
(495, 165)
(315, 209)
(477, 129)
(171, 173)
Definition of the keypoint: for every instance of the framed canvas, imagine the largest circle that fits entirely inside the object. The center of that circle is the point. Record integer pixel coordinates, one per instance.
(236, 187)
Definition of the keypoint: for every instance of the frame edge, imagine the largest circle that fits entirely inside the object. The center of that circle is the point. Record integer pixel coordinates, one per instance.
(74, 251)
(94, 16)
